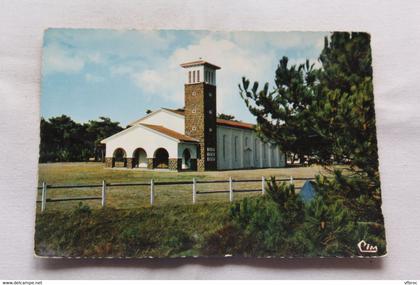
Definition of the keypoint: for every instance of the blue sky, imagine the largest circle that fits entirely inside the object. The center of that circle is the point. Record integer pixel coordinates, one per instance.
(122, 73)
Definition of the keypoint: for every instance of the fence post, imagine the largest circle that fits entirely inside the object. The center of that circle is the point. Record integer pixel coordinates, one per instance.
(103, 193)
(152, 192)
(291, 179)
(230, 190)
(194, 190)
(44, 196)
(262, 185)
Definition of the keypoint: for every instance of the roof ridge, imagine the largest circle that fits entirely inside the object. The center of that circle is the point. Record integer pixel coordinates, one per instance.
(170, 132)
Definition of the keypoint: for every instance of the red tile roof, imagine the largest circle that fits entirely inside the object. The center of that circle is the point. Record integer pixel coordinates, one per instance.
(199, 62)
(170, 133)
(222, 122)
(235, 124)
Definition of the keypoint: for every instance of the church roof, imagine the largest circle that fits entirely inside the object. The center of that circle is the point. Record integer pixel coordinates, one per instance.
(199, 62)
(222, 122)
(170, 133)
(234, 124)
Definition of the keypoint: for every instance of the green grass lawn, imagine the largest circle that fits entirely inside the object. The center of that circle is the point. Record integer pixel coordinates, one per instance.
(139, 196)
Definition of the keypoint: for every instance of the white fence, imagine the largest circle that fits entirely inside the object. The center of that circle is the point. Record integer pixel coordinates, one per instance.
(105, 187)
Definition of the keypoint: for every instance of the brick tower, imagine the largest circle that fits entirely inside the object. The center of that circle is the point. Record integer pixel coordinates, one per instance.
(200, 110)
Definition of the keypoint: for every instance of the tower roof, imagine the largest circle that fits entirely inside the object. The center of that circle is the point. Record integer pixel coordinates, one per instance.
(199, 62)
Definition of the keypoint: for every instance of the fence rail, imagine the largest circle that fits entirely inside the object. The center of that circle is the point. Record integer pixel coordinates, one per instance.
(104, 186)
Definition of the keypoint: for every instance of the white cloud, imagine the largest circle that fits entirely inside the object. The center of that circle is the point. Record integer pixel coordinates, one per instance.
(166, 80)
(149, 80)
(93, 78)
(121, 70)
(56, 59)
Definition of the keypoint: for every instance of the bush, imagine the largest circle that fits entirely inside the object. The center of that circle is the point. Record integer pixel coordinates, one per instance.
(280, 224)
(259, 226)
(82, 210)
(178, 241)
(135, 239)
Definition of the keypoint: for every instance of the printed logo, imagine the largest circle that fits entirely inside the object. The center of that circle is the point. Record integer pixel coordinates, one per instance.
(367, 248)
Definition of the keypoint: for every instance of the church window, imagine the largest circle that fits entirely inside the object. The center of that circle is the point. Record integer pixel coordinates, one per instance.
(256, 149)
(224, 147)
(236, 148)
(189, 76)
(198, 75)
(264, 151)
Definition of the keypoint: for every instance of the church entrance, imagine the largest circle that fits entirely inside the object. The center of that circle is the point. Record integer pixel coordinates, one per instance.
(140, 158)
(161, 158)
(186, 159)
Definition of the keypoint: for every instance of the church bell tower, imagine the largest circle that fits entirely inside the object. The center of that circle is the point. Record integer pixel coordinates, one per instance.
(200, 110)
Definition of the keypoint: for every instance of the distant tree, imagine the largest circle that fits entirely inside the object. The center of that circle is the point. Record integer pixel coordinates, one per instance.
(62, 139)
(97, 131)
(225, 116)
(148, 111)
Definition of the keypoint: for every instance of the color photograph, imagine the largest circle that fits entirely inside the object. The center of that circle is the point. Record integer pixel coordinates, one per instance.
(195, 143)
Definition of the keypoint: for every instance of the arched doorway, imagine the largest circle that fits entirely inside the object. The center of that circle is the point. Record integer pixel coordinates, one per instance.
(119, 158)
(140, 158)
(186, 159)
(161, 158)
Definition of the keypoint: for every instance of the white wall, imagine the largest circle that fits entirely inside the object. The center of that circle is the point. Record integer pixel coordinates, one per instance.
(139, 136)
(257, 159)
(168, 119)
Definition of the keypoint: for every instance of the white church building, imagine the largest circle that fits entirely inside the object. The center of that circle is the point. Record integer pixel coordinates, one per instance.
(191, 138)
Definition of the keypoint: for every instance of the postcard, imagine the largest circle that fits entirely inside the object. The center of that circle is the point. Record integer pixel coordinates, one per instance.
(193, 143)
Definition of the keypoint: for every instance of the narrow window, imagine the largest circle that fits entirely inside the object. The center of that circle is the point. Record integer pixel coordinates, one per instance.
(264, 152)
(246, 141)
(198, 75)
(194, 76)
(224, 147)
(236, 148)
(189, 76)
(256, 150)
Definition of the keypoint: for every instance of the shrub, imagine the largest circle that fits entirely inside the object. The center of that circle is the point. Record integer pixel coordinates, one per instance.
(176, 242)
(259, 226)
(135, 240)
